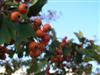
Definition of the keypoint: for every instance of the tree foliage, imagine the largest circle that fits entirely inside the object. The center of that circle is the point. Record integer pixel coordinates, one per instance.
(38, 41)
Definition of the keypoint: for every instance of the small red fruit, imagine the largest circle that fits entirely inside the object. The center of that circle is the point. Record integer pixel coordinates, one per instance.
(39, 33)
(43, 42)
(31, 53)
(54, 59)
(23, 8)
(58, 52)
(36, 53)
(46, 38)
(37, 22)
(3, 50)
(15, 16)
(32, 45)
(46, 28)
(41, 46)
(60, 59)
(64, 42)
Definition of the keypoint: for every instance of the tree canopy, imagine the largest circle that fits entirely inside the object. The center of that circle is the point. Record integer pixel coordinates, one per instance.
(38, 42)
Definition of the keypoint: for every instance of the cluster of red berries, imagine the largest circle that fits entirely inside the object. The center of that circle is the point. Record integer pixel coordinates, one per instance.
(3, 50)
(58, 55)
(42, 32)
(64, 42)
(22, 9)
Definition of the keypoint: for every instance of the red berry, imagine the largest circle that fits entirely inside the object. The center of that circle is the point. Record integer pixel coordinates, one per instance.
(64, 42)
(36, 53)
(39, 33)
(46, 28)
(46, 38)
(32, 45)
(54, 59)
(15, 16)
(45, 43)
(58, 52)
(31, 53)
(60, 59)
(37, 22)
(3, 50)
(23, 8)
(41, 46)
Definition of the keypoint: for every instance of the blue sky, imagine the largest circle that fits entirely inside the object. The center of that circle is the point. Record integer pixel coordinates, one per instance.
(83, 15)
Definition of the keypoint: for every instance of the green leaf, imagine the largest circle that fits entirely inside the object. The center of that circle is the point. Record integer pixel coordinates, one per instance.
(4, 35)
(88, 69)
(23, 31)
(7, 31)
(87, 59)
(55, 44)
(20, 53)
(11, 53)
(80, 70)
(78, 58)
(80, 36)
(10, 26)
(1, 19)
(66, 50)
(53, 34)
(41, 65)
(40, 73)
(91, 53)
(97, 48)
(33, 67)
(36, 8)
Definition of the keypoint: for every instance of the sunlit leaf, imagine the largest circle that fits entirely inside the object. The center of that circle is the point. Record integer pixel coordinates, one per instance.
(36, 8)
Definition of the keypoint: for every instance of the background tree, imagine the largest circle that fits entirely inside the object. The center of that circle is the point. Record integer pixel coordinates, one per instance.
(38, 42)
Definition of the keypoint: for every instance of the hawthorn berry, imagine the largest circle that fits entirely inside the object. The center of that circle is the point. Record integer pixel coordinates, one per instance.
(15, 16)
(60, 59)
(3, 50)
(68, 57)
(35, 28)
(31, 53)
(36, 53)
(39, 33)
(32, 45)
(46, 38)
(54, 59)
(37, 22)
(41, 46)
(58, 52)
(64, 42)
(46, 28)
(22, 8)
